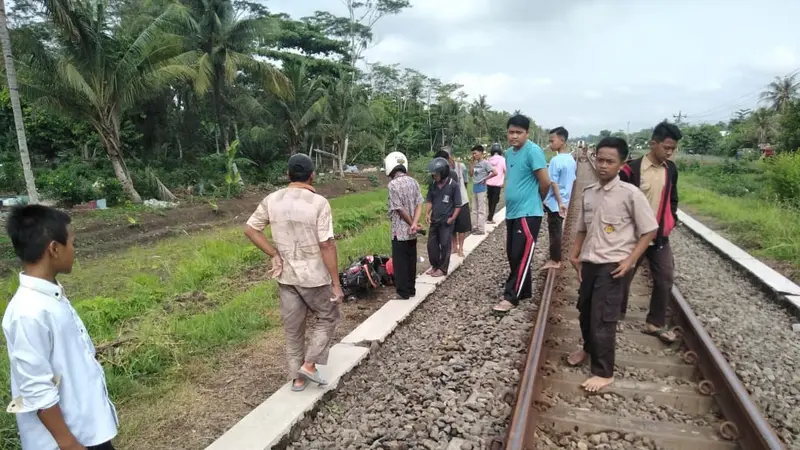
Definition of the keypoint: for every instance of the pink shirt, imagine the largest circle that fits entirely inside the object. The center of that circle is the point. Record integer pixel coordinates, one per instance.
(499, 164)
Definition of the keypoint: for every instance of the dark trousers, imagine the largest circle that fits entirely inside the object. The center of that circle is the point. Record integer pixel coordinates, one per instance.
(599, 300)
(439, 245)
(404, 259)
(662, 271)
(521, 237)
(554, 226)
(493, 195)
(106, 446)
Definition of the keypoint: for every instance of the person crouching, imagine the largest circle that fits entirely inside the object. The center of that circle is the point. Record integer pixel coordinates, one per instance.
(441, 209)
(615, 226)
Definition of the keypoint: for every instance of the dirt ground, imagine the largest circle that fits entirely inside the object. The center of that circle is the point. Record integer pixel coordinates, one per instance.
(99, 235)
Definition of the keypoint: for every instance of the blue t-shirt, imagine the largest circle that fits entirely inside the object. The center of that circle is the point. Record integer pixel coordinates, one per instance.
(522, 186)
(562, 170)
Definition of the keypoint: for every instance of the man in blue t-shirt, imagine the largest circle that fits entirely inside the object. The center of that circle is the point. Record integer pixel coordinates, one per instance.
(527, 182)
(562, 169)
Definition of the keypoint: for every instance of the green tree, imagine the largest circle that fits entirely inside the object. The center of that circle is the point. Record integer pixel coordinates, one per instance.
(300, 107)
(789, 135)
(97, 72)
(225, 45)
(781, 92)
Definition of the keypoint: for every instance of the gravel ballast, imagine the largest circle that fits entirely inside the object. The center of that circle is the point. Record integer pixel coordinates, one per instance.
(442, 375)
(752, 330)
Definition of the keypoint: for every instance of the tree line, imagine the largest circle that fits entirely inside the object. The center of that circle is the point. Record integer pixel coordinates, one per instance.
(124, 99)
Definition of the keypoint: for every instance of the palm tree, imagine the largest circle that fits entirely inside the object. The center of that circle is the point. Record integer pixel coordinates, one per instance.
(762, 121)
(345, 108)
(226, 44)
(781, 92)
(13, 91)
(96, 72)
(301, 106)
(479, 110)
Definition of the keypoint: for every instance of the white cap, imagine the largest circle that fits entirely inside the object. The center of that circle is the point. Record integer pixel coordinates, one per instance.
(393, 160)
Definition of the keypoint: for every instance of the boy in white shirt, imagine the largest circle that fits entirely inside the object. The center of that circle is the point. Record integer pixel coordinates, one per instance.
(58, 388)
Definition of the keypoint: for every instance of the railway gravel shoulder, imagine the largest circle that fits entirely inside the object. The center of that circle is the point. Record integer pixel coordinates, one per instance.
(440, 381)
(752, 330)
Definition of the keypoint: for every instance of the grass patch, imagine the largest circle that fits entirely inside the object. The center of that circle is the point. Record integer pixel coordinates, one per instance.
(186, 298)
(763, 226)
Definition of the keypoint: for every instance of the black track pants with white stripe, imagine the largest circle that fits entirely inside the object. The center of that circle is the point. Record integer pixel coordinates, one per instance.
(521, 236)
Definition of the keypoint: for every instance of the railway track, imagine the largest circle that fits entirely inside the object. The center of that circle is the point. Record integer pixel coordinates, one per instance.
(683, 396)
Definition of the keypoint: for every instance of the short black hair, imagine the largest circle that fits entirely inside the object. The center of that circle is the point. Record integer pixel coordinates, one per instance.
(665, 130)
(442, 154)
(33, 227)
(560, 131)
(477, 148)
(299, 177)
(519, 121)
(617, 143)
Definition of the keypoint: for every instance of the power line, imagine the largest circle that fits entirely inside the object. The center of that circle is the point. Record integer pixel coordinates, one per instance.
(738, 103)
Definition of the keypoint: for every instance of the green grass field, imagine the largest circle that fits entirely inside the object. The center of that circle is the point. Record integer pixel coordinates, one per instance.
(186, 299)
(763, 226)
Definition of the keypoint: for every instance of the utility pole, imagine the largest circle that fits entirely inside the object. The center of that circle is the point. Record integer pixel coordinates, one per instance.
(678, 118)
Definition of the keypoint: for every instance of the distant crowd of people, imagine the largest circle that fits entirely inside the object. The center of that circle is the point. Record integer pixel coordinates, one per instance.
(58, 388)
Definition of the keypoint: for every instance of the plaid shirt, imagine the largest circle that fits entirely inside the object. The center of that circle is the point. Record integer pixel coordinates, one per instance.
(404, 194)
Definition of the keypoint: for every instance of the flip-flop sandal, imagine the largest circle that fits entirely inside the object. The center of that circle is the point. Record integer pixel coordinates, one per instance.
(312, 376)
(300, 388)
(660, 334)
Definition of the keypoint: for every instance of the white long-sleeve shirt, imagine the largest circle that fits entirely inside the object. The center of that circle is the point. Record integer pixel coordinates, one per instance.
(53, 362)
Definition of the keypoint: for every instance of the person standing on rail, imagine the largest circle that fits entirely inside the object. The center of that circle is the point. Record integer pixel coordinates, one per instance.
(305, 265)
(561, 169)
(442, 208)
(615, 227)
(495, 184)
(657, 177)
(482, 171)
(528, 183)
(405, 209)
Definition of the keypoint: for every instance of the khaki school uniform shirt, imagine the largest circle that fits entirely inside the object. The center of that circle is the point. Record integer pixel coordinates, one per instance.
(300, 219)
(613, 217)
(653, 179)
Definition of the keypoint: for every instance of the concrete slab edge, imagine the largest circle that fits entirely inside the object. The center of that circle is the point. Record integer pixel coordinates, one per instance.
(783, 288)
(257, 430)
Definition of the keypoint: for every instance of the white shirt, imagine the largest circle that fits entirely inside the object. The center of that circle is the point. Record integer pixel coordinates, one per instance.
(53, 362)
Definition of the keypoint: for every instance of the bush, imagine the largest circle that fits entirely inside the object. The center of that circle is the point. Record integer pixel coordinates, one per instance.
(782, 175)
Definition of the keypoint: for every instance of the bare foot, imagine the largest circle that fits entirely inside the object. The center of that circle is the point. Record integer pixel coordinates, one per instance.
(595, 384)
(461, 253)
(551, 265)
(490, 222)
(504, 306)
(429, 271)
(577, 357)
(437, 273)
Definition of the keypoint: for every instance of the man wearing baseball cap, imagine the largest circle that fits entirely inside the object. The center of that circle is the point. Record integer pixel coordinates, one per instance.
(304, 263)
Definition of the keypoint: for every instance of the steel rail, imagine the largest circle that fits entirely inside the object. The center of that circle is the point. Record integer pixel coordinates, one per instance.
(745, 422)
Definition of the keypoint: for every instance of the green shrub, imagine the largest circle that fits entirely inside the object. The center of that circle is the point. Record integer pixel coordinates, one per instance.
(782, 175)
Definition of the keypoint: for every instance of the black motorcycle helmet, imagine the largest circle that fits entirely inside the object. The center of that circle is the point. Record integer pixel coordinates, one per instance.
(496, 149)
(439, 166)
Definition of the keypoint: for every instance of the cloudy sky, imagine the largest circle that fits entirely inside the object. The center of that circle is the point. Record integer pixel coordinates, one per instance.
(592, 64)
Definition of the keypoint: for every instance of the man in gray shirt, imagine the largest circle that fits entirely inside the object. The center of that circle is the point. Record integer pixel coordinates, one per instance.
(482, 171)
